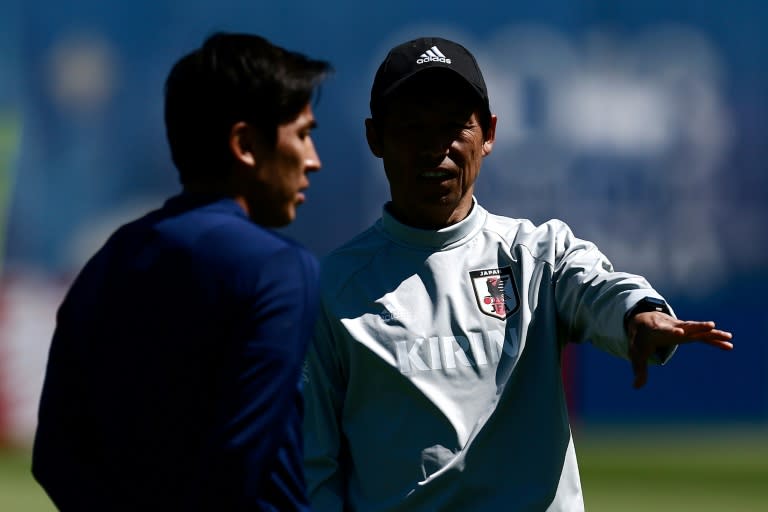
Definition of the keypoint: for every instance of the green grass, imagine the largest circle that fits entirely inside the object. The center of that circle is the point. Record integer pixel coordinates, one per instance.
(674, 469)
(18, 490)
(653, 469)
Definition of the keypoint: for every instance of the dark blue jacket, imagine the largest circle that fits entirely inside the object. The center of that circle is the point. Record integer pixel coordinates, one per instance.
(173, 378)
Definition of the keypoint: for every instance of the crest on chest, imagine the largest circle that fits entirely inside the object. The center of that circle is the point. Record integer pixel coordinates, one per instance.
(495, 291)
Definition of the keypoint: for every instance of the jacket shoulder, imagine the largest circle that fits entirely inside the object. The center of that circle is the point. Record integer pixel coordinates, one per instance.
(349, 259)
(541, 240)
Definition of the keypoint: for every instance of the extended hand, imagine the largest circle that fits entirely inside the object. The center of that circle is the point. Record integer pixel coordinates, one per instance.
(652, 331)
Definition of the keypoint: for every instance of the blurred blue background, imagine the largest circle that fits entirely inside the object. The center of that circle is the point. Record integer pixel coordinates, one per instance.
(641, 124)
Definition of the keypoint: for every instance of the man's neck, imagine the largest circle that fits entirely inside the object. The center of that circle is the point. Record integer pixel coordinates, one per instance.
(452, 217)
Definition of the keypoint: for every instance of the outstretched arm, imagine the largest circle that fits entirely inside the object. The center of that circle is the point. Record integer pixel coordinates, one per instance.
(652, 331)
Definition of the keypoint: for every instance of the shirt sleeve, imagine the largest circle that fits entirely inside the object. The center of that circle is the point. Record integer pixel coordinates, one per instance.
(273, 322)
(63, 452)
(324, 391)
(592, 298)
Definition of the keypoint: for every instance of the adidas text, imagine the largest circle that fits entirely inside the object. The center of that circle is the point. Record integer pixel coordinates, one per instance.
(433, 59)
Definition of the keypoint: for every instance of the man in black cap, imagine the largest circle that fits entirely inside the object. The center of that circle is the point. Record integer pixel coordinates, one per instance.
(434, 378)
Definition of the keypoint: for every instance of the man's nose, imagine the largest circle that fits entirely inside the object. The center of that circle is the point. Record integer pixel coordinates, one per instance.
(437, 143)
(312, 159)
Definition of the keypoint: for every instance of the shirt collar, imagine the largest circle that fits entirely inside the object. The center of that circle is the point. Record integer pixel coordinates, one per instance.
(190, 201)
(440, 239)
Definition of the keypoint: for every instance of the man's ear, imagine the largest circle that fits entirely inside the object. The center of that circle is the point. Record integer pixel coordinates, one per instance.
(373, 137)
(242, 143)
(490, 136)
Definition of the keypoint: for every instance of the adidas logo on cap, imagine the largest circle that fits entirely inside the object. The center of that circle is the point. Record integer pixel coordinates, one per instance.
(432, 55)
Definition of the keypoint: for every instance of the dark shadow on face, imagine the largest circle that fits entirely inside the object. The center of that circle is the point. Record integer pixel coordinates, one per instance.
(435, 93)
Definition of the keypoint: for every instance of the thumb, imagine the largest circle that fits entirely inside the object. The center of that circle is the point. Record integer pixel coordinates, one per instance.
(640, 369)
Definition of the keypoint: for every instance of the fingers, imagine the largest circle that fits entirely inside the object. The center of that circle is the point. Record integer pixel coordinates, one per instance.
(698, 332)
(645, 342)
(721, 344)
(691, 329)
(713, 335)
(696, 327)
(652, 331)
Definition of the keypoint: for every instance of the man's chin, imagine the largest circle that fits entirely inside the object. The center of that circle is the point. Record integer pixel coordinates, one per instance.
(276, 220)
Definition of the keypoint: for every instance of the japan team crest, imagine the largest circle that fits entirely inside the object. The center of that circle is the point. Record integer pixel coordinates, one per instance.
(495, 291)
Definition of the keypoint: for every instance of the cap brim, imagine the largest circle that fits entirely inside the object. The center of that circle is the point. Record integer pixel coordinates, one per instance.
(435, 67)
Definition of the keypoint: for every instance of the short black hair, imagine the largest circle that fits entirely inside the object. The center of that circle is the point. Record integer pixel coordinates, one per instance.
(232, 78)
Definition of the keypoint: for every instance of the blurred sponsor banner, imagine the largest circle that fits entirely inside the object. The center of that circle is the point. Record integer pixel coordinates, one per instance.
(640, 124)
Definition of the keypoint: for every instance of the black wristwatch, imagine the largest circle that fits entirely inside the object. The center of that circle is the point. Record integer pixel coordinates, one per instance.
(645, 305)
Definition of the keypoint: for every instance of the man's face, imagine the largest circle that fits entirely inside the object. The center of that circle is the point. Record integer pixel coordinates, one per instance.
(279, 179)
(432, 145)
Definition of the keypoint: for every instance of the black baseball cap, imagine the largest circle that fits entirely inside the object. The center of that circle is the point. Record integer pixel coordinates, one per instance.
(406, 60)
